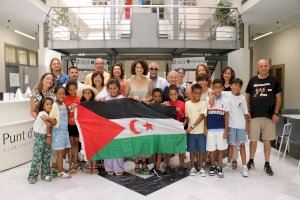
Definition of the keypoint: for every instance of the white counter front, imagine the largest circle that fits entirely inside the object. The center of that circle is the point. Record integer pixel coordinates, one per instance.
(16, 135)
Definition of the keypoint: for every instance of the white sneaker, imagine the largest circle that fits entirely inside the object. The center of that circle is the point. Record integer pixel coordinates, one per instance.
(193, 171)
(202, 172)
(244, 172)
(227, 167)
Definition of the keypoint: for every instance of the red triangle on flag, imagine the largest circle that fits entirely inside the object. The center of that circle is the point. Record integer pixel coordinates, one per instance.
(97, 131)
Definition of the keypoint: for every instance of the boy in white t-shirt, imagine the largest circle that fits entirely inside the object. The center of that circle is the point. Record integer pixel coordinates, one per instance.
(238, 122)
(217, 127)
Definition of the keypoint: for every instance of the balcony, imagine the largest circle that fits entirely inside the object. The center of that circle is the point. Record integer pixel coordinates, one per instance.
(118, 30)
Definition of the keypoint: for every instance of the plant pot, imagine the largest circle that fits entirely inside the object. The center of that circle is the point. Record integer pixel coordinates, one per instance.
(61, 33)
(225, 33)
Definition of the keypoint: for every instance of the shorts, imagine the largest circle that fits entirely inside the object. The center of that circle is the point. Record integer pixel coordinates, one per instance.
(60, 140)
(262, 127)
(236, 136)
(196, 143)
(73, 131)
(215, 140)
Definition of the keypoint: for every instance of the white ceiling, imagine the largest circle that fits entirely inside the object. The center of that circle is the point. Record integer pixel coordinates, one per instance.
(24, 15)
(264, 15)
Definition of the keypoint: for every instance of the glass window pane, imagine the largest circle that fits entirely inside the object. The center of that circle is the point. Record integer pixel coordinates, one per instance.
(32, 58)
(22, 57)
(10, 54)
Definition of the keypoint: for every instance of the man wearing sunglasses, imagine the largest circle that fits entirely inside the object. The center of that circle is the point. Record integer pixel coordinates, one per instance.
(157, 82)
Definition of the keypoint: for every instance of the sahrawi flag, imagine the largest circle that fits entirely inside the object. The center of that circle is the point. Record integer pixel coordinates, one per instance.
(127, 128)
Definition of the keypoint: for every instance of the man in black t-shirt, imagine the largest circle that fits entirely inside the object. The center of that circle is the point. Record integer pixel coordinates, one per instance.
(264, 101)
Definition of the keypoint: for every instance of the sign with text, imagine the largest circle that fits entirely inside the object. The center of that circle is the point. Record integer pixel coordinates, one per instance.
(88, 63)
(187, 63)
(16, 144)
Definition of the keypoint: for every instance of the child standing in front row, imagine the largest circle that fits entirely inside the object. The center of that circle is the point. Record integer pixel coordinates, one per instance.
(217, 127)
(157, 95)
(196, 110)
(114, 165)
(60, 134)
(238, 122)
(179, 105)
(42, 143)
(71, 101)
(87, 94)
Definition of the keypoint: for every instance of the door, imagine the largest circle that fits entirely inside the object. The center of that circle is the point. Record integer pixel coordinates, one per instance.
(278, 71)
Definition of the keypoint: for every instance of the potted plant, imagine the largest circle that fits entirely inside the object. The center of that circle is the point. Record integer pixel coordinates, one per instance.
(61, 25)
(225, 21)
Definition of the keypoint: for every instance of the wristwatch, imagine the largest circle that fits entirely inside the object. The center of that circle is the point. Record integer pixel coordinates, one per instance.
(192, 127)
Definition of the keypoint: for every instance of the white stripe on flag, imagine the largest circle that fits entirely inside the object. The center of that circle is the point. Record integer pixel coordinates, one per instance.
(135, 127)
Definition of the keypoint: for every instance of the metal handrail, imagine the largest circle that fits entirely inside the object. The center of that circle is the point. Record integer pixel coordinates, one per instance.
(190, 24)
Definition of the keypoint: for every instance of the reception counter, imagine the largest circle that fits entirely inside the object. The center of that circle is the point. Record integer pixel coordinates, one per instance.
(16, 135)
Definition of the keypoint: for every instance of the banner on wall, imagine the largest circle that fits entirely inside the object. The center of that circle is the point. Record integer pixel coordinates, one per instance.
(187, 63)
(89, 63)
(16, 144)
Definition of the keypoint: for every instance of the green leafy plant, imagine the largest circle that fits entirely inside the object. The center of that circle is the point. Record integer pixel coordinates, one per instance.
(223, 14)
(62, 17)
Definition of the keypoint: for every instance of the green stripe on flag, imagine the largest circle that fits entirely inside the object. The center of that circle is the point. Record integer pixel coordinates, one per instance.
(143, 145)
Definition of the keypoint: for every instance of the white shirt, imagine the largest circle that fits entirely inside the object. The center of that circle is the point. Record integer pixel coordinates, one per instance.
(238, 110)
(79, 85)
(160, 83)
(101, 95)
(39, 126)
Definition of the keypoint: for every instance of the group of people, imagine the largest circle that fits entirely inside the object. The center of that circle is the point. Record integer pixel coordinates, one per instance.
(214, 113)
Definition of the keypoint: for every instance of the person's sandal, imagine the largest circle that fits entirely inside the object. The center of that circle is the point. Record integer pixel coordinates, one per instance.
(72, 169)
(137, 167)
(64, 175)
(234, 164)
(110, 173)
(119, 174)
(77, 167)
(32, 181)
(95, 171)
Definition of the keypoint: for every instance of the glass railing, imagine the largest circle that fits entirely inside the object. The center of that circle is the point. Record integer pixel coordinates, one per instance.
(115, 22)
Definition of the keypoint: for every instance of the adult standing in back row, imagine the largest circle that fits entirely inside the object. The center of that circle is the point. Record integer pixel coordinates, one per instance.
(99, 67)
(264, 100)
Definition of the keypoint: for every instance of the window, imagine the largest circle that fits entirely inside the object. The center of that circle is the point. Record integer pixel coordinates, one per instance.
(32, 59)
(10, 54)
(22, 54)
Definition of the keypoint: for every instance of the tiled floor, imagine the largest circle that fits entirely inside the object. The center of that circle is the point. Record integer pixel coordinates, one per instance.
(284, 185)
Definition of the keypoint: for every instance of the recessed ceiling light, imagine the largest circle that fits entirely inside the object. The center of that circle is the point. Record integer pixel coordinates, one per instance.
(24, 34)
(264, 35)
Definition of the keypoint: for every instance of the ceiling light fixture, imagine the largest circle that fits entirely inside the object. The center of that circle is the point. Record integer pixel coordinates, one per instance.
(24, 34)
(264, 35)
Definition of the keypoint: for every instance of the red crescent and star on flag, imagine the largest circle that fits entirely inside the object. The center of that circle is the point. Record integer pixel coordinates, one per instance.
(133, 129)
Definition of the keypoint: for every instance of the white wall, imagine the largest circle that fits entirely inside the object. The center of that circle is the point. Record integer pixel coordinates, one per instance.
(283, 48)
(239, 60)
(9, 37)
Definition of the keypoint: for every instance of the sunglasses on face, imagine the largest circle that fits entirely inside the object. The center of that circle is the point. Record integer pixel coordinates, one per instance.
(153, 69)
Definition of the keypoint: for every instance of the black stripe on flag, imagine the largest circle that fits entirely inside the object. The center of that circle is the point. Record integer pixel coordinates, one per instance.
(130, 108)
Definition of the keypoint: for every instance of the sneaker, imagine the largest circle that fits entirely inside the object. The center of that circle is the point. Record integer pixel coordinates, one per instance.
(227, 167)
(244, 172)
(212, 171)
(168, 170)
(47, 178)
(220, 172)
(268, 170)
(197, 167)
(181, 171)
(202, 172)
(250, 165)
(193, 171)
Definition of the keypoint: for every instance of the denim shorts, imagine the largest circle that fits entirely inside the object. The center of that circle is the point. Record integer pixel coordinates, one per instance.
(60, 140)
(196, 143)
(236, 136)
